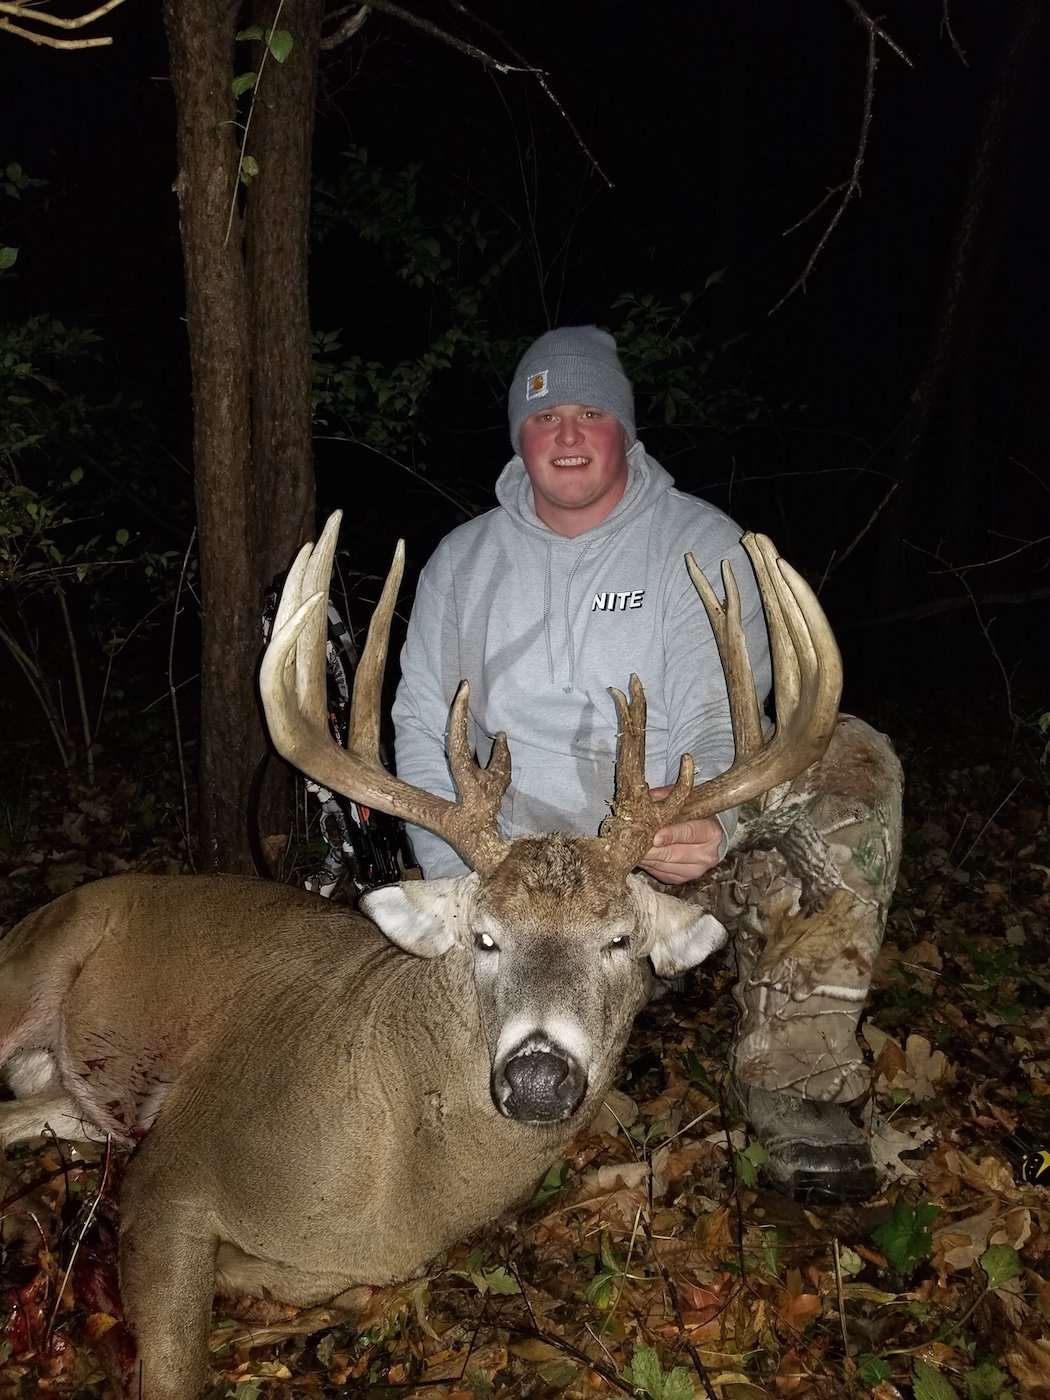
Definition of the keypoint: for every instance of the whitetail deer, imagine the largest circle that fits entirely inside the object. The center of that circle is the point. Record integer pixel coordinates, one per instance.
(330, 1099)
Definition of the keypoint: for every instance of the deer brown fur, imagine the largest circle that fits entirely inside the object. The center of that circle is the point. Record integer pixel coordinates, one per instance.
(319, 1099)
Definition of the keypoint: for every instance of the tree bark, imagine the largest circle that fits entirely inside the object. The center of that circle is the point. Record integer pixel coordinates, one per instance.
(248, 328)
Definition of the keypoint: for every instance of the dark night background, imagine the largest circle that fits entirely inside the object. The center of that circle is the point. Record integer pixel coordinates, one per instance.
(886, 423)
(720, 125)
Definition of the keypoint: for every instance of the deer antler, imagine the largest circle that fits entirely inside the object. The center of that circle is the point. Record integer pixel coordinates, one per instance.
(292, 684)
(807, 681)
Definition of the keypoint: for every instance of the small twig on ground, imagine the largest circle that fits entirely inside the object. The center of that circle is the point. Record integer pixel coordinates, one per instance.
(731, 1150)
(976, 839)
(840, 1295)
(78, 677)
(88, 1218)
(608, 1374)
(173, 694)
(694, 1355)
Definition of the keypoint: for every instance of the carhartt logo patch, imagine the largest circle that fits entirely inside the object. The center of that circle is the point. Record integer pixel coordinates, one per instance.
(618, 602)
(536, 385)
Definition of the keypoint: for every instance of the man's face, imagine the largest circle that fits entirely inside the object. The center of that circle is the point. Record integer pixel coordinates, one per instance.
(576, 458)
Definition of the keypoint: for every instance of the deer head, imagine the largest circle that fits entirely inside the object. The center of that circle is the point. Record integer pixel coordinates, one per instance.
(556, 932)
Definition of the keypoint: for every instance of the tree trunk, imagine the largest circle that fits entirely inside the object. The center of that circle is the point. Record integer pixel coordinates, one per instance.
(250, 364)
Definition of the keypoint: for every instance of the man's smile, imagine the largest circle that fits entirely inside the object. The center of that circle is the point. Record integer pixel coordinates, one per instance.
(570, 461)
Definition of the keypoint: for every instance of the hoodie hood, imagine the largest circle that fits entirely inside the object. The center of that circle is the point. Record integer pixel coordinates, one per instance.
(646, 483)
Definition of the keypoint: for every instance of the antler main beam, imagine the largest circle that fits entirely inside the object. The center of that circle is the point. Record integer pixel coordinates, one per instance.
(807, 681)
(292, 685)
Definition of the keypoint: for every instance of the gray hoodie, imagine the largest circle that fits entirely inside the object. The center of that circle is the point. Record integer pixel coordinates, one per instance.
(542, 626)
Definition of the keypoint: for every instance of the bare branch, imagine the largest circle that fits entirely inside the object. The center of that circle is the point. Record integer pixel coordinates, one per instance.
(946, 28)
(938, 606)
(876, 29)
(961, 569)
(985, 626)
(850, 187)
(32, 14)
(489, 61)
(347, 29)
(833, 562)
(388, 7)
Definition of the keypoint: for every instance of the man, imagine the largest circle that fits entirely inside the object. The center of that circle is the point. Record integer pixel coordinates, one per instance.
(575, 580)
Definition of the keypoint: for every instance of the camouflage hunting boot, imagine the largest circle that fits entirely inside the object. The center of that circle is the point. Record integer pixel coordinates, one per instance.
(815, 1152)
(805, 894)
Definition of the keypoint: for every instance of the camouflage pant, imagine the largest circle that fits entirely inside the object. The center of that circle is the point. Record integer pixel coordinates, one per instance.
(804, 891)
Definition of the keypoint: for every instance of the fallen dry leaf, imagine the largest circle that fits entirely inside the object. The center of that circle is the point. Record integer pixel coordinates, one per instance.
(888, 1139)
(961, 1243)
(1029, 1363)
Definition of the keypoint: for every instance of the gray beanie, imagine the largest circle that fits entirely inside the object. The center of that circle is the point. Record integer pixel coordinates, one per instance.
(573, 364)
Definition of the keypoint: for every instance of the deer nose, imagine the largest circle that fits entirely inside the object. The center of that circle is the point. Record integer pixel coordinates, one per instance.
(540, 1086)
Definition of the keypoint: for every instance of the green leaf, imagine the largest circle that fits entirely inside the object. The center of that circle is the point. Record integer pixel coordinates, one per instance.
(558, 1374)
(279, 42)
(872, 1369)
(601, 1289)
(928, 1383)
(551, 1184)
(645, 1372)
(249, 169)
(610, 1259)
(698, 1075)
(76, 476)
(8, 258)
(772, 1249)
(905, 1239)
(243, 82)
(122, 537)
(248, 1389)
(496, 1280)
(679, 1385)
(1000, 1263)
(254, 31)
(985, 1382)
(748, 1162)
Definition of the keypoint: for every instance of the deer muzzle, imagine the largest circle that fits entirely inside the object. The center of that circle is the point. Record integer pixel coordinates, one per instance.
(538, 1082)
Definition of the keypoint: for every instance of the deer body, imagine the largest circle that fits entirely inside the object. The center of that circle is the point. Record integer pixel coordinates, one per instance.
(329, 1099)
(319, 1105)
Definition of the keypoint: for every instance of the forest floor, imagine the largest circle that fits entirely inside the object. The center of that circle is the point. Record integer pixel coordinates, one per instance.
(652, 1261)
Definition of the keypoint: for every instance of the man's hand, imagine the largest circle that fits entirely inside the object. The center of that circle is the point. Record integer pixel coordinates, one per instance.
(684, 851)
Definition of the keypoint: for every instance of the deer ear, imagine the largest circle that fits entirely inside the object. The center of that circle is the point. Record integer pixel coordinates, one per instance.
(676, 935)
(424, 917)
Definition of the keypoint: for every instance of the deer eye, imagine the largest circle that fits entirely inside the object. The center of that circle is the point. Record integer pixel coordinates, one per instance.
(486, 943)
(621, 943)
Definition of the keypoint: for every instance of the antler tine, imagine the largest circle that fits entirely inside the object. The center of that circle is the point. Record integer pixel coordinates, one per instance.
(475, 785)
(807, 681)
(365, 702)
(732, 650)
(636, 816)
(292, 684)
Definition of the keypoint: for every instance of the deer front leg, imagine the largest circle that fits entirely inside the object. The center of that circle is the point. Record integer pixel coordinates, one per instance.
(41, 1103)
(167, 1282)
